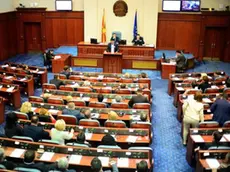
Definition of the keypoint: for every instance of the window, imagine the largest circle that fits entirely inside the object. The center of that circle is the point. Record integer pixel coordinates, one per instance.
(64, 5)
(181, 5)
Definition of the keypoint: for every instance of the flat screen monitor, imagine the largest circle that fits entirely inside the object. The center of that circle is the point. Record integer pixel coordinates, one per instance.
(171, 5)
(64, 5)
(190, 6)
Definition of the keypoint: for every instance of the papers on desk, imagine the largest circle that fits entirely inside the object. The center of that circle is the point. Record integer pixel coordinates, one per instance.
(223, 139)
(75, 159)
(207, 100)
(1, 86)
(197, 138)
(180, 88)
(74, 85)
(86, 99)
(131, 139)
(10, 89)
(214, 86)
(105, 100)
(5, 65)
(13, 67)
(149, 45)
(191, 78)
(213, 163)
(53, 111)
(136, 117)
(17, 153)
(100, 77)
(104, 160)
(176, 78)
(227, 137)
(40, 72)
(8, 77)
(57, 57)
(95, 115)
(47, 156)
(23, 79)
(123, 162)
(33, 109)
(88, 136)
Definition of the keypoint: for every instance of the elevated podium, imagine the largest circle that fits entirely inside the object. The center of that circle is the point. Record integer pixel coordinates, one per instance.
(166, 69)
(112, 62)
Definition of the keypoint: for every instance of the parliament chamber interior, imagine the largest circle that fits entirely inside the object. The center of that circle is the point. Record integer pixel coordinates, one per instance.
(115, 85)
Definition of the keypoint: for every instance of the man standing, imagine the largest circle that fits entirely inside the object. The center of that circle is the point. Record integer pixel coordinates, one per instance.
(180, 61)
(221, 110)
(112, 47)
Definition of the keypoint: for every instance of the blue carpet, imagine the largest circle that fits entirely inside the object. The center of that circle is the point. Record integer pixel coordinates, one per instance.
(169, 154)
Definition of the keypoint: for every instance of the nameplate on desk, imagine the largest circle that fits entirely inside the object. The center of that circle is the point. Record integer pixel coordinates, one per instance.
(88, 136)
(180, 88)
(197, 138)
(86, 99)
(131, 139)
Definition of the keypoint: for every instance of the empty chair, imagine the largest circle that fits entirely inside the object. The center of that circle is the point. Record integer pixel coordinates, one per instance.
(79, 102)
(145, 80)
(120, 105)
(21, 115)
(55, 101)
(123, 91)
(36, 99)
(97, 104)
(49, 86)
(108, 147)
(84, 89)
(115, 124)
(141, 106)
(49, 141)
(209, 124)
(89, 122)
(222, 78)
(211, 90)
(105, 90)
(226, 124)
(78, 145)
(26, 169)
(69, 119)
(62, 76)
(66, 88)
(140, 124)
(23, 138)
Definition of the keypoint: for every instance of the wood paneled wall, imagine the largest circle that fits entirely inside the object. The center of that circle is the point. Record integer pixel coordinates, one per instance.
(8, 35)
(187, 31)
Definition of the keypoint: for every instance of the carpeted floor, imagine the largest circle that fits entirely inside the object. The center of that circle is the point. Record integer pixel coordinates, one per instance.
(169, 154)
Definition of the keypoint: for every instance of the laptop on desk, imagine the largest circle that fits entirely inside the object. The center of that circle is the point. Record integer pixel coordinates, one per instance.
(93, 41)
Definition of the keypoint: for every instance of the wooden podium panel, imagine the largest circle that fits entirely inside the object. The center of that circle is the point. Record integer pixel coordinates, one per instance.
(2, 110)
(112, 62)
(58, 64)
(166, 69)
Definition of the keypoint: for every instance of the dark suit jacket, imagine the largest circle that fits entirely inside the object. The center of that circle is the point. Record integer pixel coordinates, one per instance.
(138, 99)
(203, 86)
(56, 82)
(138, 42)
(40, 166)
(180, 61)
(35, 132)
(9, 165)
(116, 48)
(116, 40)
(221, 111)
(67, 74)
(14, 131)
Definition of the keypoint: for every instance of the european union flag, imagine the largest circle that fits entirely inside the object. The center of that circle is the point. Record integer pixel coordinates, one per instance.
(135, 25)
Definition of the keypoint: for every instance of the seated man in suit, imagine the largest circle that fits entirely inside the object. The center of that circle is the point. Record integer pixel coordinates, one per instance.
(49, 56)
(34, 131)
(180, 61)
(115, 38)
(56, 81)
(29, 157)
(138, 40)
(139, 98)
(70, 110)
(112, 47)
(7, 164)
(96, 166)
(142, 166)
(66, 71)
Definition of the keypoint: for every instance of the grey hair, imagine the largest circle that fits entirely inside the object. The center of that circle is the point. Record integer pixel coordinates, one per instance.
(118, 98)
(63, 163)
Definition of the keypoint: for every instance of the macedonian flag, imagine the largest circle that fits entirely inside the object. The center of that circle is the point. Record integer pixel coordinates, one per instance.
(103, 28)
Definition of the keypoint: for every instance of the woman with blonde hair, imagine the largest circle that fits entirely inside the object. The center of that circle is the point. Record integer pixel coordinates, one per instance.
(45, 116)
(59, 134)
(112, 115)
(26, 108)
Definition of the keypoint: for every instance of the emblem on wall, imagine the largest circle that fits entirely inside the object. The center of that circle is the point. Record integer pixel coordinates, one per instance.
(120, 8)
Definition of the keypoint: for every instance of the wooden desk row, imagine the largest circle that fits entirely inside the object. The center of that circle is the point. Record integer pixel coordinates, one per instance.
(39, 72)
(11, 94)
(12, 148)
(178, 78)
(125, 137)
(26, 82)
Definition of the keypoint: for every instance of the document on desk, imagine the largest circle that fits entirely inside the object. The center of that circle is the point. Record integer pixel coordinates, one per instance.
(207, 100)
(214, 86)
(100, 77)
(227, 137)
(105, 100)
(40, 72)
(95, 115)
(180, 88)
(175, 78)
(17, 153)
(57, 57)
(33, 109)
(47, 156)
(10, 89)
(88, 136)
(86, 99)
(75, 159)
(104, 160)
(213, 163)
(197, 138)
(23, 79)
(136, 117)
(123, 162)
(131, 139)
(53, 111)
(8, 77)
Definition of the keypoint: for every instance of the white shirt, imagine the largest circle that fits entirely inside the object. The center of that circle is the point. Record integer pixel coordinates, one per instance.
(112, 48)
(60, 136)
(193, 109)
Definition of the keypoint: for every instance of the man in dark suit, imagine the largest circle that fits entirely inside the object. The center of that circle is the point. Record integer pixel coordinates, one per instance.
(66, 71)
(70, 110)
(180, 61)
(221, 110)
(29, 162)
(7, 164)
(34, 131)
(115, 38)
(112, 47)
(56, 81)
(204, 85)
(138, 40)
(139, 98)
